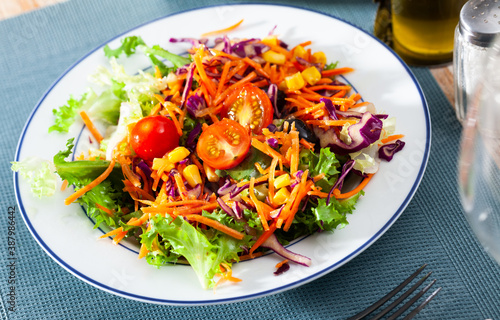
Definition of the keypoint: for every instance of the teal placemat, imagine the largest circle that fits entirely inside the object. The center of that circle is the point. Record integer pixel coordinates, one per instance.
(37, 47)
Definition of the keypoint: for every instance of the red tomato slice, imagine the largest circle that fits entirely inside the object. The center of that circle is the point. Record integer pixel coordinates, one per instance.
(250, 106)
(224, 144)
(153, 136)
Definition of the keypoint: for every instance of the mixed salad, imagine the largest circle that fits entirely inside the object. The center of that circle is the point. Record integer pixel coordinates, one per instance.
(219, 155)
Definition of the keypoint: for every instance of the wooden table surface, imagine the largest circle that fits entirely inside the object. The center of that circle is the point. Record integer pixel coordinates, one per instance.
(11, 8)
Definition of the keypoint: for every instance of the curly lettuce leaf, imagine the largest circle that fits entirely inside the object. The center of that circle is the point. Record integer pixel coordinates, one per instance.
(65, 115)
(167, 240)
(156, 50)
(104, 106)
(334, 214)
(320, 217)
(204, 255)
(326, 162)
(107, 194)
(246, 169)
(129, 45)
(39, 174)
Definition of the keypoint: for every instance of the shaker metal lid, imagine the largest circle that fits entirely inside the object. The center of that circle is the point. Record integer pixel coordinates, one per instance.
(480, 21)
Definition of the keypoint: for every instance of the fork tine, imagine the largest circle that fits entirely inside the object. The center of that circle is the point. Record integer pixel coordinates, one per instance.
(412, 301)
(402, 297)
(384, 299)
(422, 305)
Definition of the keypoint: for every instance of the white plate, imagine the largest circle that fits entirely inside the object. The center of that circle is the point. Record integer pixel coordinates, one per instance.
(66, 234)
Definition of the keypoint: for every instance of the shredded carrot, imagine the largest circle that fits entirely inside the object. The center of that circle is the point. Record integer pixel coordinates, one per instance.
(216, 225)
(265, 235)
(112, 233)
(145, 182)
(333, 72)
(226, 275)
(324, 81)
(137, 193)
(91, 185)
(193, 202)
(207, 207)
(223, 78)
(256, 66)
(392, 138)
(306, 43)
(143, 251)
(330, 123)
(248, 256)
(108, 211)
(119, 237)
(309, 110)
(211, 33)
(338, 195)
(318, 193)
(128, 173)
(328, 87)
(294, 161)
(252, 75)
(305, 186)
(279, 264)
(139, 222)
(260, 169)
(307, 144)
(266, 149)
(272, 170)
(201, 71)
(258, 205)
(91, 126)
(174, 119)
(64, 185)
(180, 186)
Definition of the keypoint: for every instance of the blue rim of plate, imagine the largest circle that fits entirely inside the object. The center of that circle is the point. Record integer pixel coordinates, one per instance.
(297, 283)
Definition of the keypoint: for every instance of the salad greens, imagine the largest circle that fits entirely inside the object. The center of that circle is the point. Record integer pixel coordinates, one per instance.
(195, 165)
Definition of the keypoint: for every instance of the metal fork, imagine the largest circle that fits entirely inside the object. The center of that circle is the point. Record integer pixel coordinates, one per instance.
(396, 302)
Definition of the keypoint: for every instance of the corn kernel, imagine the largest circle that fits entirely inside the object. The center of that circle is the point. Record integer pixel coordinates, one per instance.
(311, 75)
(192, 175)
(274, 57)
(270, 40)
(299, 51)
(162, 162)
(178, 154)
(282, 86)
(319, 57)
(210, 173)
(282, 181)
(281, 196)
(295, 82)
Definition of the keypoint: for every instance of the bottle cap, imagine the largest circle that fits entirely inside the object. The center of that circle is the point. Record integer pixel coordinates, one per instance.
(480, 21)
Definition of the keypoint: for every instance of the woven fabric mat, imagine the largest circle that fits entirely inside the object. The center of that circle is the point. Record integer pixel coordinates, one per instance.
(37, 47)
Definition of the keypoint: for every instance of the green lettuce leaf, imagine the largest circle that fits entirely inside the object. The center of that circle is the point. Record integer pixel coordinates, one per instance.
(319, 216)
(108, 193)
(130, 44)
(331, 65)
(39, 174)
(326, 162)
(66, 114)
(246, 169)
(204, 253)
(156, 50)
(128, 47)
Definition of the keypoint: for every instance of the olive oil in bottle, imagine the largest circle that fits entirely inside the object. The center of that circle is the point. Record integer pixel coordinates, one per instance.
(423, 30)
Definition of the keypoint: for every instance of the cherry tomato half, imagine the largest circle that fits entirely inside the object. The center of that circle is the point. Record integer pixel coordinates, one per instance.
(153, 136)
(250, 106)
(224, 144)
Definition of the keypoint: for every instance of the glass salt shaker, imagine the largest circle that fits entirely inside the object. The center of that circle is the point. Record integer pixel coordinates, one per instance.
(478, 25)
